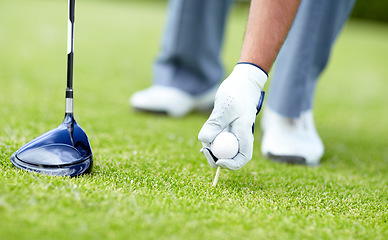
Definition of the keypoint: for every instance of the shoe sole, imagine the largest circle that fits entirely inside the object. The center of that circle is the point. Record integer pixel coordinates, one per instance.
(289, 159)
(157, 112)
(202, 110)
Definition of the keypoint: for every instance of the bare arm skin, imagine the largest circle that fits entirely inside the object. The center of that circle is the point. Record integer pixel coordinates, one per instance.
(268, 24)
(236, 101)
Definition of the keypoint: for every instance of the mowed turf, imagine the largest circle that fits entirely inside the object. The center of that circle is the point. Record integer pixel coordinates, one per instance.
(149, 180)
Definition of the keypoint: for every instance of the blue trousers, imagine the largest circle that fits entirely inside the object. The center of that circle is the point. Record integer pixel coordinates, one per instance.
(190, 53)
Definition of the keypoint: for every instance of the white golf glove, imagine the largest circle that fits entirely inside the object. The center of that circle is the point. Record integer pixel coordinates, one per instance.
(238, 100)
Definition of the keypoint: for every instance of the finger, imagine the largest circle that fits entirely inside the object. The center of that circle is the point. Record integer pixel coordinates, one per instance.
(226, 110)
(233, 164)
(205, 145)
(209, 131)
(242, 128)
(210, 157)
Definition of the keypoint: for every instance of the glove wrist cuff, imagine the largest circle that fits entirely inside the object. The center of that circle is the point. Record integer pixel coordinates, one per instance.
(252, 72)
(254, 65)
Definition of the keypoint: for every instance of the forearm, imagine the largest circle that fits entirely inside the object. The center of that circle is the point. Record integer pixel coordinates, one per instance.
(268, 24)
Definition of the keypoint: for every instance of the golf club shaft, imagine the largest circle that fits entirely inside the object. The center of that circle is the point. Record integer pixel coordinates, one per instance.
(70, 57)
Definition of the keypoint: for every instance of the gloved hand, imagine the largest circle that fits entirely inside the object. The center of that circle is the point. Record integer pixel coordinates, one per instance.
(235, 108)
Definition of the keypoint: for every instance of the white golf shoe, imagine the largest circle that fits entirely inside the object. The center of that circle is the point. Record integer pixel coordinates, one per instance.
(171, 101)
(291, 140)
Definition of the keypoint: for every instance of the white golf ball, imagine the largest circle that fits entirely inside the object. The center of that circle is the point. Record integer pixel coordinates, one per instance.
(225, 145)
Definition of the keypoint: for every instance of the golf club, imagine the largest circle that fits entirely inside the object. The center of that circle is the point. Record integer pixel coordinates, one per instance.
(65, 150)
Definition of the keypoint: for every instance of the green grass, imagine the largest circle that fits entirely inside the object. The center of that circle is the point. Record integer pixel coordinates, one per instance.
(149, 180)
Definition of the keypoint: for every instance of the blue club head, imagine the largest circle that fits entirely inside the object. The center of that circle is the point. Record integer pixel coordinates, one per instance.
(63, 151)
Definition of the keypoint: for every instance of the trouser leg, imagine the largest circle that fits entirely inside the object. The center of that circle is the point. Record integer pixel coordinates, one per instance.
(190, 55)
(305, 53)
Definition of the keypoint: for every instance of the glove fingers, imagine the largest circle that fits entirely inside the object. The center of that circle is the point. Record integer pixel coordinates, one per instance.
(209, 157)
(209, 131)
(243, 131)
(232, 164)
(226, 110)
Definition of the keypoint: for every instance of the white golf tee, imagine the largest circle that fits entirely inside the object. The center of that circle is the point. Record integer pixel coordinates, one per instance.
(217, 176)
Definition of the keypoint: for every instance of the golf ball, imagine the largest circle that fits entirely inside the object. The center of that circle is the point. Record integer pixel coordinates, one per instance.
(225, 145)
